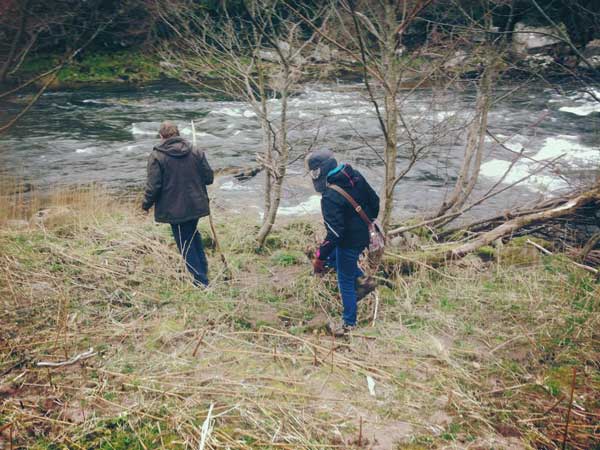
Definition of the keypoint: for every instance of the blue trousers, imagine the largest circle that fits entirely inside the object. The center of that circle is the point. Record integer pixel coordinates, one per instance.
(189, 243)
(346, 260)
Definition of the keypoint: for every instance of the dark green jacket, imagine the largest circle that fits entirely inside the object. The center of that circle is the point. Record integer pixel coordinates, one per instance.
(177, 178)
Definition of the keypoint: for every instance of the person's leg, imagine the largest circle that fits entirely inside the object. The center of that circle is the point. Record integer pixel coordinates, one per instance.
(347, 259)
(200, 263)
(190, 246)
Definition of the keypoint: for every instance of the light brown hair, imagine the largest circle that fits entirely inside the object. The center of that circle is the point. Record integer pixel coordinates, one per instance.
(168, 130)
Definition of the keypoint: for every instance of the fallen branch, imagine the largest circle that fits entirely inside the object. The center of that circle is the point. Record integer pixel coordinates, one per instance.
(515, 224)
(548, 252)
(75, 359)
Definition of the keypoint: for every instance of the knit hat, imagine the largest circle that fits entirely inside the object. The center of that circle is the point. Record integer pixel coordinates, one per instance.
(319, 163)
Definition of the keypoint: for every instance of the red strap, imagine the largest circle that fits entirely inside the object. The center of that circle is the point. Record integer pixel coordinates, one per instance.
(355, 205)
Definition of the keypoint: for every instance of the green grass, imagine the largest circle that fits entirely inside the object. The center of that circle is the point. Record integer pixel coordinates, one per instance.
(131, 65)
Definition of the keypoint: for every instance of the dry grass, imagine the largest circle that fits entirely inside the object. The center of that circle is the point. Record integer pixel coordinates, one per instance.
(464, 357)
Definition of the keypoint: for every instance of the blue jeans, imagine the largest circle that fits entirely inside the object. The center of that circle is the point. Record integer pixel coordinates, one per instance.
(346, 260)
(189, 243)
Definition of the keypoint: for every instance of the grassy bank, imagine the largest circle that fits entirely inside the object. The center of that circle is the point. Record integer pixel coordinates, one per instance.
(474, 356)
(116, 67)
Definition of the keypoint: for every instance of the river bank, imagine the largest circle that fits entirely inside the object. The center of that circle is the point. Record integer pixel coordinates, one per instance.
(138, 66)
(477, 355)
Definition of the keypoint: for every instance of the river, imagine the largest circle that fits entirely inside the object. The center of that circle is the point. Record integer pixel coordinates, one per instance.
(104, 134)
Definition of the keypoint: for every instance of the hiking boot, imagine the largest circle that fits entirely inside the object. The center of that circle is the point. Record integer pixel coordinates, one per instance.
(364, 286)
(339, 329)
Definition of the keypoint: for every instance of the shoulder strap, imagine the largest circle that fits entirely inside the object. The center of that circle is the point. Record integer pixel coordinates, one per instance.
(355, 205)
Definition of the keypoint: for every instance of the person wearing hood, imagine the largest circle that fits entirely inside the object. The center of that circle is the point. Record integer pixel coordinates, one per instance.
(347, 233)
(176, 186)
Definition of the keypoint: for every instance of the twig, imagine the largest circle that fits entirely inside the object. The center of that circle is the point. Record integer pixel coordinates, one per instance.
(564, 443)
(548, 252)
(80, 357)
(360, 431)
(206, 428)
(200, 339)
(376, 309)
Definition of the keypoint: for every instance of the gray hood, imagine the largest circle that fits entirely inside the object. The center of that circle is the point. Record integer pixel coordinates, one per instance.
(176, 147)
(325, 161)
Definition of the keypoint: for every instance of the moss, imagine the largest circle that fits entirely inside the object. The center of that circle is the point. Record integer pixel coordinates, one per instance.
(120, 433)
(130, 66)
(519, 255)
(287, 258)
(387, 296)
(487, 252)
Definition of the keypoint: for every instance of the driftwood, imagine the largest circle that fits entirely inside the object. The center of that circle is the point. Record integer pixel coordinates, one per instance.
(75, 359)
(542, 219)
(513, 225)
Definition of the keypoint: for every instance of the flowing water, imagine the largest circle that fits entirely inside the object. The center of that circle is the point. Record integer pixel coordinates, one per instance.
(104, 135)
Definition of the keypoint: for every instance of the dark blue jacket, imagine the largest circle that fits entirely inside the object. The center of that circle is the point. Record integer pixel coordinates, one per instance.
(345, 228)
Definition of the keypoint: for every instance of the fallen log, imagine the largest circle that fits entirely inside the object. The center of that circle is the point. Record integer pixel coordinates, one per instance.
(541, 218)
(513, 225)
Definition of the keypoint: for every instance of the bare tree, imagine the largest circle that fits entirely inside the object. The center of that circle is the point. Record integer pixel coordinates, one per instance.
(372, 34)
(64, 27)
(255, 57)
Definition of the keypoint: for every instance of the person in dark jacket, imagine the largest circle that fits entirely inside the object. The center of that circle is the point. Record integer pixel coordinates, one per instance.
(176, 185)
(347, 233)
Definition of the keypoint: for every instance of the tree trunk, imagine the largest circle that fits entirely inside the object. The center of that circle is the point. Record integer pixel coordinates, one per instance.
(391, 154)
(15, 43)
(280, 168)
(469, 172)
(391, 83)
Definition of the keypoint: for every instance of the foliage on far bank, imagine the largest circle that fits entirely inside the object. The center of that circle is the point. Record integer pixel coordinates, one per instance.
(123, 66)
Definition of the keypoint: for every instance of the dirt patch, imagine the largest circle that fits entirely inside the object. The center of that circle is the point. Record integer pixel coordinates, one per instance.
(387, 436)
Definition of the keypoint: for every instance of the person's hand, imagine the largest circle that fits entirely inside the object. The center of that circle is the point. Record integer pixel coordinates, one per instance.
(318, 266)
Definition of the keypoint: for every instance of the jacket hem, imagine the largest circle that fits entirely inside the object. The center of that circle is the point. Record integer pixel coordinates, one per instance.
(181, 220)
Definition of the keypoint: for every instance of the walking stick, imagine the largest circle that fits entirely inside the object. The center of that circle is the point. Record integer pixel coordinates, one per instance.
(227, 274)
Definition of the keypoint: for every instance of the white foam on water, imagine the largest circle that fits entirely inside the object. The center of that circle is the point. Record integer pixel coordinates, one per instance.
(249, 113)
(583, 110)
(568, 145)
(310, 206)
(233, 186)
(187, 131)
(305, 115)
(443, 115)
(136, 129)
(232, 112)
(496, 168)
(88, 150)
(130, 148)
(574, 154)
(582, 103)
(350, 111)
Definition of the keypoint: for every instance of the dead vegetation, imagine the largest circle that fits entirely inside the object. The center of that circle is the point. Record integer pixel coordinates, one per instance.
(482, 355)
